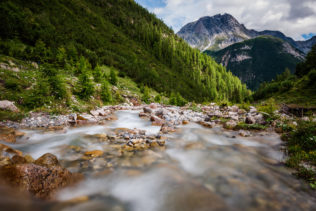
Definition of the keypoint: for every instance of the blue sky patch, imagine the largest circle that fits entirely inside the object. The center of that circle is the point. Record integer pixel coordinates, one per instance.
(308, 36)
(151, 3)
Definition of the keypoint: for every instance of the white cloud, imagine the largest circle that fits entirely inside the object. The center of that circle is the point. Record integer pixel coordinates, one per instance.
(292, 17)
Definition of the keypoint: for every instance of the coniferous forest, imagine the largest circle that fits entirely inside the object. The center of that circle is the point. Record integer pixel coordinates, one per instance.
(119, 34)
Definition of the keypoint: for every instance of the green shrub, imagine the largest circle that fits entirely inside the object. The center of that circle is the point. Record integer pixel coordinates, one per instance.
(146, 95)
(304, 136)
(173, 99)
(85, 87)
(245, 126)
(13, 84)
(157, 98)
(7, 115)
(180, 101)
(268, 107)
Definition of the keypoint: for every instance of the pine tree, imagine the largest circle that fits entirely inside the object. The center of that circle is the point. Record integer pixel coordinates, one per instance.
(86, 88)
(106, 94)
(113, 77)
(97, 74)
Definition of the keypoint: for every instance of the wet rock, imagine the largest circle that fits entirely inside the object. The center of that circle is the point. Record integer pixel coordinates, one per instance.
(194, 145)
(153, 106)
(167, 129)
(29, 159)
(47, 160)
(17, 159)
(185, 122)
(79, 117)
(8, 105)
(7, 135)
(8, 151)
(5, 161)
(193, 197)
(42, 182)
(160, 112)
(143, 115)
(250, 120)
(147, 110)
(161, 142)
(94, 153)
(207, 124)
(156, 121)
(244, 133)
(230, 124)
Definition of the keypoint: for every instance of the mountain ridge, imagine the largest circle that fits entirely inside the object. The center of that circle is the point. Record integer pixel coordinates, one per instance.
(220, 31)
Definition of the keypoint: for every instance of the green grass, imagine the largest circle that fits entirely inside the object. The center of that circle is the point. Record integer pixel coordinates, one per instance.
(302, 150)
(7, 115)
(244, 126)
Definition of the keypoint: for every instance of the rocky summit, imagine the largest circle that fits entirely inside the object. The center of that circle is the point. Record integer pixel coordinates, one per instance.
(219, 31)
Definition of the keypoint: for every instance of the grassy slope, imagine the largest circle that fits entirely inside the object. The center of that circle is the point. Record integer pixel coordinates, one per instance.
(266, 62)
(16, 86)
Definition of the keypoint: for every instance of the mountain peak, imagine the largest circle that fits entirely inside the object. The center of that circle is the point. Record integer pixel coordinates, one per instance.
(221, 30)
(209, 30)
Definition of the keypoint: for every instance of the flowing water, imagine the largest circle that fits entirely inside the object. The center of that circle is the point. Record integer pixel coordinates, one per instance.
(198, 169)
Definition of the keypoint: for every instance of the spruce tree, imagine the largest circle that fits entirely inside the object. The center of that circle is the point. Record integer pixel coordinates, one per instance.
(113, 77)
(106, 94)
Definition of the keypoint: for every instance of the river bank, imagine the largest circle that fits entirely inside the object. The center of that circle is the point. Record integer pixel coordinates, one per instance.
(129, 146)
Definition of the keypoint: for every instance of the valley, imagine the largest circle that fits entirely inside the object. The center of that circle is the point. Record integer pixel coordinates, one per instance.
(104, 107)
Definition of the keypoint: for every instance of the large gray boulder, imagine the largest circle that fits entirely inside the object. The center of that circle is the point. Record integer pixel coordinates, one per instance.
(8, 105)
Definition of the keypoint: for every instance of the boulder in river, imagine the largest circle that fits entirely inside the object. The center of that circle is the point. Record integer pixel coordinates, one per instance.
(42, 178)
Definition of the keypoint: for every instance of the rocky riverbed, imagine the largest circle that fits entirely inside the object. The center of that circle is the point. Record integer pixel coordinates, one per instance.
(149, 157)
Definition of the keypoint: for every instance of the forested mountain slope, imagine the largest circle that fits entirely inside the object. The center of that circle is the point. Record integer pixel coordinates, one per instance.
(298, 88)
(259, 59)
(117, 33)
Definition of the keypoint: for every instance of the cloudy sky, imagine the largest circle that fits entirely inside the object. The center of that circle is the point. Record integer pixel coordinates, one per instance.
(295, 18)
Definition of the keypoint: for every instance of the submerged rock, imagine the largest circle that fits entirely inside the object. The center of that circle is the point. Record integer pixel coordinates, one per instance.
(94, 153)
(9, 135)
(207, 124)
(244, 133)
(8, 151)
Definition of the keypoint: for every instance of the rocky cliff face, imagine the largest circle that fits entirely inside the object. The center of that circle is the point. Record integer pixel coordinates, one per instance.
(219, 31)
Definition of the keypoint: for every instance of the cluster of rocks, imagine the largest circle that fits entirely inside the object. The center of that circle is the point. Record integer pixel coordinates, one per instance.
(41, 178)
(168, 117)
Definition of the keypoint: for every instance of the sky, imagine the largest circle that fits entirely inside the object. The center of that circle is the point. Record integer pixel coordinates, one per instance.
(295, 18)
